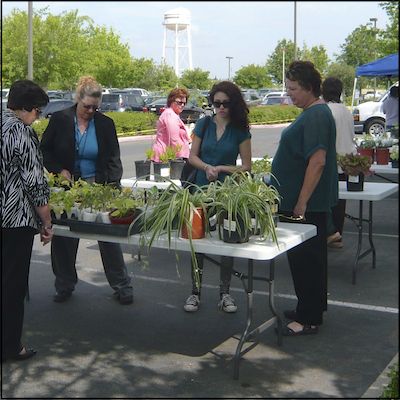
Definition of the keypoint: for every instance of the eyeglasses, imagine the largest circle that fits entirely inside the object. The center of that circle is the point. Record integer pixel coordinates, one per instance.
(90, 107)
(38, 110)
(218, 104)
(180, 103)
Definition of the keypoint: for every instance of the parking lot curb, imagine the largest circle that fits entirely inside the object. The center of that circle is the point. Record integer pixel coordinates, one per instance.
(377, 388)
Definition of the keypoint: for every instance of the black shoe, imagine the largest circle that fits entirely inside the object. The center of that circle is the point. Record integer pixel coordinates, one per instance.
(124, 299)
(61, 297)
(20, 357)
(290, 314)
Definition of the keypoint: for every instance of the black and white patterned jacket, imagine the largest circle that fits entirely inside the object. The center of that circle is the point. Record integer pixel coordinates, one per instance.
(23, 184)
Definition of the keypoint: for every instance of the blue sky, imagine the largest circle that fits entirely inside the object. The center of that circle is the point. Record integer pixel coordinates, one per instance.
(247, 31)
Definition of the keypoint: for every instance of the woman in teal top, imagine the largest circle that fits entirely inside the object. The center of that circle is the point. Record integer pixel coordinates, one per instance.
(214, 151)
(304, 171)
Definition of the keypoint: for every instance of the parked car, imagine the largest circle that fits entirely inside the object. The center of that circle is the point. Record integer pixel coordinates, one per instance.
(274, 93)
(190, 113)
(139, 91)
(369, 118)
(120, 101)
(55, 105)
(277, 100)
(251, 98)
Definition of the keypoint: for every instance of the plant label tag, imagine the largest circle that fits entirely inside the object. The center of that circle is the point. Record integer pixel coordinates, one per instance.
(164, 172)
(354, 178)
(212, 220)
(229, 227)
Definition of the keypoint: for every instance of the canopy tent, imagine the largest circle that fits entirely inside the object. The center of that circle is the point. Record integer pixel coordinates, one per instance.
(387, 66)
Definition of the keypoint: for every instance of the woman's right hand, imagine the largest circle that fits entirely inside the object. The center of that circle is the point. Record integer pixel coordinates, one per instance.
(46, 234)
(211, 173)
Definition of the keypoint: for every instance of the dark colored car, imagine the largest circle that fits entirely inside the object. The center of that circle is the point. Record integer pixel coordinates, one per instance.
(190, 113)
(55, 105)
(122, 102)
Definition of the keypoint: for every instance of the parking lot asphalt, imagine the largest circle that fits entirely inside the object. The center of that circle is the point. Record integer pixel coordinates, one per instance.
(92, 347)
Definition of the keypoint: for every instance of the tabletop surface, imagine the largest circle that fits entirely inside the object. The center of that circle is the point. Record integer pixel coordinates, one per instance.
(373, 191)
(289, 235)
(384, 169)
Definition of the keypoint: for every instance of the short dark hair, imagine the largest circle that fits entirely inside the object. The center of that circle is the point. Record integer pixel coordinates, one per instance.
(305, 73)
(332, 89)
(26, 95)
(238, 110)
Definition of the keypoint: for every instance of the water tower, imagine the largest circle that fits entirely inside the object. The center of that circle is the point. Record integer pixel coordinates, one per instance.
(177, 39)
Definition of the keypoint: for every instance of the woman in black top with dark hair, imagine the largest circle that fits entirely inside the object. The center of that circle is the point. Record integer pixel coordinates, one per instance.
(24, 209)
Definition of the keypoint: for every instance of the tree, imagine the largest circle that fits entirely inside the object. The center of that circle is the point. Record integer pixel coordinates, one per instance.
(317, 55)
(275, 60)
(360, 46)
(389, 41)
(345, 73)
(195, 79)
(252, 76)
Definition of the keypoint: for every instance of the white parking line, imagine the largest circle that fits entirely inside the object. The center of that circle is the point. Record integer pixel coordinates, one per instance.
(358, 306)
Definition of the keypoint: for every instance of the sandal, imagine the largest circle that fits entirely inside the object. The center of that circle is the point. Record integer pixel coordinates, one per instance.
(24, 354)
(307, 330)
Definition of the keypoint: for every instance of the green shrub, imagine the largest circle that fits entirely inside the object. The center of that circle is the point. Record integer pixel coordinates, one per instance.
(273, 114)
(392, 390)
(142, 123)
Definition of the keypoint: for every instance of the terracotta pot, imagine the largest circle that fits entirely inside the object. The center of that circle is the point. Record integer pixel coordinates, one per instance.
(367, 152)
(382, 155)
(198, 226)
(126, 220)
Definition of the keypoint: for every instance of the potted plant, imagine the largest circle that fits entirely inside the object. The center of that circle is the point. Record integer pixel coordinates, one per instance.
(177, 210)
(355, 167)
(262, 167)
(142, 167)
(382, 155)
(242, 203)
(123, 208)
(162, 168)
(394, 155)
(366, 146)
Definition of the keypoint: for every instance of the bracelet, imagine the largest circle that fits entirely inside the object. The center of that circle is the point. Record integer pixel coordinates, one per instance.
(206, 166)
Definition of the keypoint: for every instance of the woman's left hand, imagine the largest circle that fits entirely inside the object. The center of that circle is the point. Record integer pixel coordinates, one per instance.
(46, 234)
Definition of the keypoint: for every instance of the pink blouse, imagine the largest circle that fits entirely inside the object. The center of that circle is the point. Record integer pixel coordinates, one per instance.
(171, 131)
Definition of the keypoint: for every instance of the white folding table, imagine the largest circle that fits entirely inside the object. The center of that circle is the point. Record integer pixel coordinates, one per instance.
(373, 191)
(385, 169)
(289, 235)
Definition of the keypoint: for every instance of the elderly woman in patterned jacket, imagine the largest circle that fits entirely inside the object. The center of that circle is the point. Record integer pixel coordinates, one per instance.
(24, 209)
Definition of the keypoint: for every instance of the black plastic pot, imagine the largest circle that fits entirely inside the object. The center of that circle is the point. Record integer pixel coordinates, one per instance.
(176, 167)
(160, 171)
(355, 183)
(142, 168)
(234, 233)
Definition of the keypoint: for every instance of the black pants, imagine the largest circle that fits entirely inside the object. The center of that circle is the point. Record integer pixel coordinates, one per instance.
(16, 251)
(225, 272)
(63, 258)
(338, 212)
(308, 264)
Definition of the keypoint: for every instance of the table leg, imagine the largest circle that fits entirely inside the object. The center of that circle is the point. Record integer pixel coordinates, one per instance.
(359, 243)
(371, 243)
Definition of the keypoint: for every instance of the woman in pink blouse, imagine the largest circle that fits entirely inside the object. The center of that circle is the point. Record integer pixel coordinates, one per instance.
(171, 131)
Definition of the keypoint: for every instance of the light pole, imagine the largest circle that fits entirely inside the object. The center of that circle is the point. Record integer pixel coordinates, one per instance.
(229, 67)
(295, 31)
(374, 21)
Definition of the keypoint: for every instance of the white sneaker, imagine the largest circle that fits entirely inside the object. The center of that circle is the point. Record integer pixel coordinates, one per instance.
(227, 304)
(192, 303)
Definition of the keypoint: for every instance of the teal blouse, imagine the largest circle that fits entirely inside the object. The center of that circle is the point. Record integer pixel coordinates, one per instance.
(218, 152)
(314, 129)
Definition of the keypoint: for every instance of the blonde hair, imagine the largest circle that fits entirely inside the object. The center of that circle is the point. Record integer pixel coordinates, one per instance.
(87, 86)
